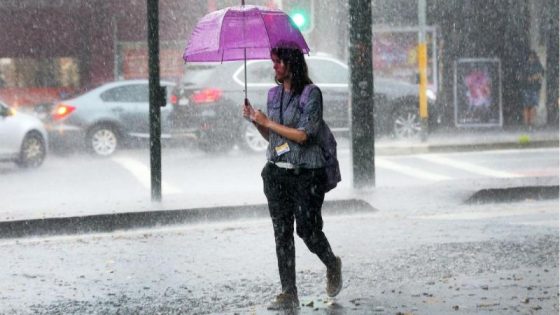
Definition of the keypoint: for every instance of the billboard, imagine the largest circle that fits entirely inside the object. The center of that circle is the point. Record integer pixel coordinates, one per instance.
(478, 92)
(395, 54)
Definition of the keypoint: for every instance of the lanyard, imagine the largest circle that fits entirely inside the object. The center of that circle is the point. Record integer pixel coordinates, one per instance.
(282, 105)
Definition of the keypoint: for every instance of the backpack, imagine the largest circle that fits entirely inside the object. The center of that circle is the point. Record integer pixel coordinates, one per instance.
(325, 139)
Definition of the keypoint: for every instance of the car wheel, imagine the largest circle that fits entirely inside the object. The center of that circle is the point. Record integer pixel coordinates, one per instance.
(103, 140)
(33, 151)
(251, 139)
(406, 123)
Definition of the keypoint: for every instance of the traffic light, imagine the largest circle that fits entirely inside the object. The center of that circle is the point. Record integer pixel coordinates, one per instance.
(301, 12)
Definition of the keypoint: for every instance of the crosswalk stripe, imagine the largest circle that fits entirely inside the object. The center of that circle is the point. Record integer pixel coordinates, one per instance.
(469, 167)
(410, 171)
(142, 174)
(492, 214)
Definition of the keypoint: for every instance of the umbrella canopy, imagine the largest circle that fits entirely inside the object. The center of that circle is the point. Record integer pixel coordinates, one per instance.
(241, 33)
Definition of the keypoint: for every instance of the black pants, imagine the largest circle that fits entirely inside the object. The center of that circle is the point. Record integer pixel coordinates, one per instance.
(296, 194)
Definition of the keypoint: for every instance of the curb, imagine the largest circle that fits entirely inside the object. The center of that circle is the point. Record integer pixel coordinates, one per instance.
(438, 148)
(132, 220)
(514, 194)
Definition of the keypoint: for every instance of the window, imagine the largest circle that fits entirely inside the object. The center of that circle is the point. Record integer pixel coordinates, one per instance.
(41, 72)
(137, 93)
(3, 110)
(325, 71)
(260, 72)
(199, 73)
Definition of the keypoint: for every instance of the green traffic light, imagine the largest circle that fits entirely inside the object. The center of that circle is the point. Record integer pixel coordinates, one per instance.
(299, 19)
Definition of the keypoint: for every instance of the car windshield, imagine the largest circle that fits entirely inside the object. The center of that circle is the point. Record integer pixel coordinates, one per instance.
(327, 71)
(198, 73)
(3, 109)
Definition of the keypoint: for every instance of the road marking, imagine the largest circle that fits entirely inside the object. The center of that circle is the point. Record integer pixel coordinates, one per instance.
(407, 170)
(142, 174)
(506, 151)
(469, 167)
(489, 215)
(547, 223)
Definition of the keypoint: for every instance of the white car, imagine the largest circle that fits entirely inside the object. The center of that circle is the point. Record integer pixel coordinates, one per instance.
(23, 138)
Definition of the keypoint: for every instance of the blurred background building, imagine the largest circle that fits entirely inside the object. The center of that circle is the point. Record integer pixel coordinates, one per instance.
(52, 47)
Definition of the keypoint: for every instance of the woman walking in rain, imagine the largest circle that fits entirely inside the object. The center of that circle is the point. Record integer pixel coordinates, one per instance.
(294, 176)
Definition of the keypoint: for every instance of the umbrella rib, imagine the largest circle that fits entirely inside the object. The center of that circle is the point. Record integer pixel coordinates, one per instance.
(266, 30)
(221, 35)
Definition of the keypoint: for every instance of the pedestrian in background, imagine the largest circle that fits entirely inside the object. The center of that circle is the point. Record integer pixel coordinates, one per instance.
(294, 175)
(531, 80)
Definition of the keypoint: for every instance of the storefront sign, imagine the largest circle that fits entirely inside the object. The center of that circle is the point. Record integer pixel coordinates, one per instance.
(42, 4)
(395, 54)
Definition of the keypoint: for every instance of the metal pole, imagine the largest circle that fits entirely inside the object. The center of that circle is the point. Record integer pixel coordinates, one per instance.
(422, 69)
(551, 67)
(156, 98)
(362, 104)
(116, 62)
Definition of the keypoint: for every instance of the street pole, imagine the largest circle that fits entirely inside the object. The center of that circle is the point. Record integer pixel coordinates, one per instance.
(362, 104)
(422, 70)
(116, 61)
(156, 98)
(552, 97)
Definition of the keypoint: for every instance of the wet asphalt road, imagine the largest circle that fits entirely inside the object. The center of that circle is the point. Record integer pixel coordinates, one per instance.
(78, 185)
(488, 258)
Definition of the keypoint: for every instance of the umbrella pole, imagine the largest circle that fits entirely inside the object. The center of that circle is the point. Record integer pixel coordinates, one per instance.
(245, 67)
(244, 55)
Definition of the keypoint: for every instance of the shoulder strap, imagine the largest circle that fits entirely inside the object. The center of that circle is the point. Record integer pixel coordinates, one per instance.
(305, 95)
(272, 93)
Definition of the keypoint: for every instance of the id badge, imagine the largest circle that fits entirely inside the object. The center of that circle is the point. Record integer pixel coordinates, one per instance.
(281, 149)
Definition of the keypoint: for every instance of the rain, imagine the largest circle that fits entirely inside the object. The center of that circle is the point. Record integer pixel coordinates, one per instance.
(448, 201)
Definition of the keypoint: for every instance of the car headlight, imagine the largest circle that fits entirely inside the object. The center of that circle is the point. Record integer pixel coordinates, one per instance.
(431, 95)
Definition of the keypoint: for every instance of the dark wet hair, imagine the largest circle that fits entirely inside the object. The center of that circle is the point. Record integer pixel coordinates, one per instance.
(292, 56)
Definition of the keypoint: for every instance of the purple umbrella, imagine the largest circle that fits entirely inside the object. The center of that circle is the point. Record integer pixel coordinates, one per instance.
(241, 33)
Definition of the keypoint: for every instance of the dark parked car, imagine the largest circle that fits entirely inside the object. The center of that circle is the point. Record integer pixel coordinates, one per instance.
(105, 117)
(208, 99)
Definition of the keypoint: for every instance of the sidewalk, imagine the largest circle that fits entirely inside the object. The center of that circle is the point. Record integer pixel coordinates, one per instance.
(413, 256)
(447, 139)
